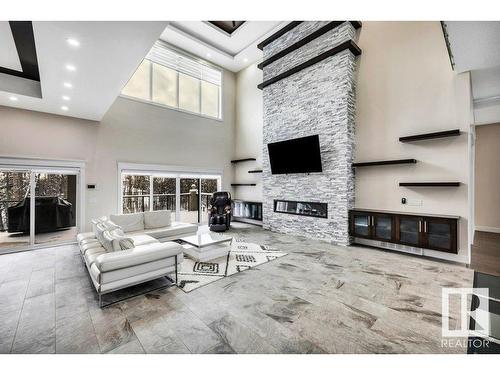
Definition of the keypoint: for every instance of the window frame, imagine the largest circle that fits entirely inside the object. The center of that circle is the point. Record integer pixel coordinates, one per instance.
(194, 58)
(177, 172)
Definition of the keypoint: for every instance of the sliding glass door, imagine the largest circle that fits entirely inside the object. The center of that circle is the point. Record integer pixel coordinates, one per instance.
(14, 209)
(186, 196)
(37, 207)
(55, 207)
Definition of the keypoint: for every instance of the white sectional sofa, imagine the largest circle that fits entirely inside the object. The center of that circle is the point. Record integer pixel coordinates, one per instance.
(152, 255)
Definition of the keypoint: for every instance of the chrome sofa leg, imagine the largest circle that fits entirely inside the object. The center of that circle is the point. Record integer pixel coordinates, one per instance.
(175, 269)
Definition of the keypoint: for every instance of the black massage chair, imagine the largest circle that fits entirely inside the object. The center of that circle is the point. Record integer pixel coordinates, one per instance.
(219, 211)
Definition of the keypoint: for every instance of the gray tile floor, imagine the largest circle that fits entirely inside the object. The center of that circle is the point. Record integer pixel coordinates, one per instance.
(318, 299)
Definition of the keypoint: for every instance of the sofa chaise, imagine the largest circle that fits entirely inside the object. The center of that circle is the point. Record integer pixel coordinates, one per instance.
(149, 252)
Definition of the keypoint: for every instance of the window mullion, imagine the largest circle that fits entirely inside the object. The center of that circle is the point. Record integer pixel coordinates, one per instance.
(151, 193)
(151, 81)
(199, 95)
(177, 89)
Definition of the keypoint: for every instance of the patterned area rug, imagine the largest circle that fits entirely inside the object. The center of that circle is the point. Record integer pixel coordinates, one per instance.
(242, 256)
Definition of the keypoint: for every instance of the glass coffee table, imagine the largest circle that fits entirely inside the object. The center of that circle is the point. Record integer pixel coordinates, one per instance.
(206, 246)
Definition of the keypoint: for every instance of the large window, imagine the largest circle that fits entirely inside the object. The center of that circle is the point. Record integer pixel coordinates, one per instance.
(169, 78)
(185, 195)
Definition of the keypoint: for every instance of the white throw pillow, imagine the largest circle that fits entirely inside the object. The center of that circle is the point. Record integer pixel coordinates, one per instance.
(108, 241)
(119, 242)
(129, 222)
(157, 219)
(112, 226)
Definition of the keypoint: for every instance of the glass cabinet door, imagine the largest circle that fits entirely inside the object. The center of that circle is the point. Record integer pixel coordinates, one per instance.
(382, 229)
(440, 234)
(361, 225)
(409, 230)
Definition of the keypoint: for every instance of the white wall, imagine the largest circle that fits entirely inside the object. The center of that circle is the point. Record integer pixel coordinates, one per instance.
(131, 131)
(248, 133)
(406, 86)
(487, 177)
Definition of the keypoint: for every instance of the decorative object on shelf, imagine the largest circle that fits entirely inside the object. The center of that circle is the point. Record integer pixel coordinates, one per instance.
(384, 162)
(242, 160)
(348, 45)
(429, 184)
(423, 231)
(421, 137)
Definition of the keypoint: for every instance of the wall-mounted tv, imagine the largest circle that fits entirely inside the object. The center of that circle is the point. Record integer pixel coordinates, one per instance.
(299, 155)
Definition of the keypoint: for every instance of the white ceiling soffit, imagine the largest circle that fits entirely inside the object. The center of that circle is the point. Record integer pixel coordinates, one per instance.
(474, 44)
(233, 52)
(486, 85)
(107, 56)
(474, 47)
(8, 52)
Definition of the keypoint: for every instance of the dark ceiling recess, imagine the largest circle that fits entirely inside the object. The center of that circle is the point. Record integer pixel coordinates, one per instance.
(227, 26)
(22, 32)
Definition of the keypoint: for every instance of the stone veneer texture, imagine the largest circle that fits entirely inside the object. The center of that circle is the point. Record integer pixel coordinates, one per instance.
(317, 100)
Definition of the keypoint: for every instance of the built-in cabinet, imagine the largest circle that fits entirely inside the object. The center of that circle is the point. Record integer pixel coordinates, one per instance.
(423, 231)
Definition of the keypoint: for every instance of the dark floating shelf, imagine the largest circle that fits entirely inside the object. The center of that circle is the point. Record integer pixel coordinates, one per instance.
(316, 34)
(243, 184)
(429, 184)
(278, 33)
(255, 171)
(421, 137)
(348, 45)
(384, 162)
(242, 160)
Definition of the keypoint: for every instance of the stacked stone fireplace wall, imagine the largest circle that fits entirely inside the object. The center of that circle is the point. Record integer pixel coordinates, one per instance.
(319, 99)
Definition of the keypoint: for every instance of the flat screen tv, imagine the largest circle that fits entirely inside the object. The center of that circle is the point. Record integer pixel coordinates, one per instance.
(299, 155)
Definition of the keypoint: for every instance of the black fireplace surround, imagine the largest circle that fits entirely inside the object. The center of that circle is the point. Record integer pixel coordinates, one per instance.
(301, 208)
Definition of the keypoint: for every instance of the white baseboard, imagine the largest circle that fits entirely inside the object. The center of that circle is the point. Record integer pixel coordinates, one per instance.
(482, 228)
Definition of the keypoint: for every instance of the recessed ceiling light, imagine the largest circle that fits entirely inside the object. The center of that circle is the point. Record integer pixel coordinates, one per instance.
(70, 67)
(73, 42)
(68, 85)
(64, 108)
(66, 98)
(209, 54)
(245, 59)
(13, 98)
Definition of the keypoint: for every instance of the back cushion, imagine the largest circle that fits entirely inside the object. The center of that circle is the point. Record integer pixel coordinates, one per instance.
(129, 222)
(157, 219)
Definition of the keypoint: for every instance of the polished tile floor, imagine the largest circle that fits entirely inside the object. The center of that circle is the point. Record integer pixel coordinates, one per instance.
(320, 298)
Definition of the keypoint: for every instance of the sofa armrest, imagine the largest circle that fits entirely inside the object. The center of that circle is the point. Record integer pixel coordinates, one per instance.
(138, 255)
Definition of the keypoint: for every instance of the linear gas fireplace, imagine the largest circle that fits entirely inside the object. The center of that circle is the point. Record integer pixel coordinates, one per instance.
(313, 209)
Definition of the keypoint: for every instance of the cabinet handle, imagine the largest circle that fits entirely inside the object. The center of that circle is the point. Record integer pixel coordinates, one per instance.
(420, 225)
(425, 226)
(373, 220)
